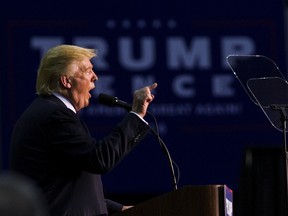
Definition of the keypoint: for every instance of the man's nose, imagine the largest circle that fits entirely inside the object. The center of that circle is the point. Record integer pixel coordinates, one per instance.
(94, 77)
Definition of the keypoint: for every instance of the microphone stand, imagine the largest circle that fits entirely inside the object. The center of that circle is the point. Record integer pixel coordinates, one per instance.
(166, 152)
(114, 101)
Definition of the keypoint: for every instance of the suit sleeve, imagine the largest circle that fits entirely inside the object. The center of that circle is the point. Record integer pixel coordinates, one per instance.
(113, 207)
(72, 145)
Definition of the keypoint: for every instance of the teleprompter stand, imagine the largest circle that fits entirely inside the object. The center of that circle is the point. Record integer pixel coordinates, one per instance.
(267, 88)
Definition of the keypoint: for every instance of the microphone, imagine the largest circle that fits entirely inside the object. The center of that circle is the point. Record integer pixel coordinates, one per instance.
(112, 101)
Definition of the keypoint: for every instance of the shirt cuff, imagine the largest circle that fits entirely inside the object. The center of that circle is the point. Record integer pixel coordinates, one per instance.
(139, 117)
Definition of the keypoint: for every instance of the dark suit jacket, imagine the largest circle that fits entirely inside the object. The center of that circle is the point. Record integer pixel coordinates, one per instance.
(53, 146)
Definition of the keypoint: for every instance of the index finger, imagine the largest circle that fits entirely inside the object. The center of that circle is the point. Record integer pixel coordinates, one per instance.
(153, 86)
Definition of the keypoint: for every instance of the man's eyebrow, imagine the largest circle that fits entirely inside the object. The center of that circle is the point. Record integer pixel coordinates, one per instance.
(85, 67)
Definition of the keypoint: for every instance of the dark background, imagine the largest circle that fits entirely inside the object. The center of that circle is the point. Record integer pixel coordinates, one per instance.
(209, 135)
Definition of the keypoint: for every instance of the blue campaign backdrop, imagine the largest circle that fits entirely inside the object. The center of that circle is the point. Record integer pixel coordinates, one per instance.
(204, 115)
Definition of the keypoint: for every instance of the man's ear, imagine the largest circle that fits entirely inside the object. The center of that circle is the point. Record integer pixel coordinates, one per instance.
(66, 82)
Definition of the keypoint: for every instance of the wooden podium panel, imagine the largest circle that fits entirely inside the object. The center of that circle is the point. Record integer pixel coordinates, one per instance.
(206, 200)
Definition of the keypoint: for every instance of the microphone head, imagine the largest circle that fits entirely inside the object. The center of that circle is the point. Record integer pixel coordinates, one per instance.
(112, 101)
(107, 100)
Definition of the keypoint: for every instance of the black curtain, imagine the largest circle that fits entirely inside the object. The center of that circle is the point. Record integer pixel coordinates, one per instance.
(262, 187)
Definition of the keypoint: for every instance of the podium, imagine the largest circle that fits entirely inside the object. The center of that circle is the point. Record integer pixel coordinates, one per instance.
(203, 200)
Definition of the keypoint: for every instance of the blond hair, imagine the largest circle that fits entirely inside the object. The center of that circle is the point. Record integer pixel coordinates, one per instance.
(55, 64)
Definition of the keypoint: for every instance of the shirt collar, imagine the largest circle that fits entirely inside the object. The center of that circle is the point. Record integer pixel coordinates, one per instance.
(65, 101)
